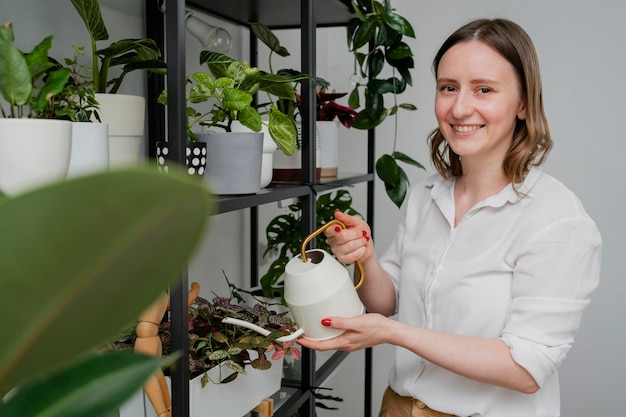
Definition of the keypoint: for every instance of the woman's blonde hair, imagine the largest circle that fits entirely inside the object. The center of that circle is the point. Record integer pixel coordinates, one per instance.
(531, 139)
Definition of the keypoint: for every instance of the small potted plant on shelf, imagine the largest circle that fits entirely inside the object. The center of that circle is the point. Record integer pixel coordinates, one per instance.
(34, 151)
(283, 234)
(231, 367)
(329, 114)
(77, 103)
(125, 114)
(378, 27)
(234, 138)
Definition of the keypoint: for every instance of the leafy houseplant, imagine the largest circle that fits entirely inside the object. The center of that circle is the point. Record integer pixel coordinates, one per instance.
(212, 342)
(77, 101)
(130, 54)
(283, 234)
(68, 250)
(233, 85)
(22, 81)
(380, 28)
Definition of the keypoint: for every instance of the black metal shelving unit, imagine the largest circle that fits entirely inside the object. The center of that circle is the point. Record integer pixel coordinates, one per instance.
(307, 15)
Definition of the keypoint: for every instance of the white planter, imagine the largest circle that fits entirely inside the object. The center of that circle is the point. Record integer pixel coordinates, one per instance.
(233, 164)
(289, 168)
(90, 149)
(329, 144)
(33, 152)
(233, 399)
(125, 115)
(269, 147)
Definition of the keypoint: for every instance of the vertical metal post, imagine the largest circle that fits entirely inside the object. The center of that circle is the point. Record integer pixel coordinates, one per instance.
(155, 30)
(176, 133)
(308, 48)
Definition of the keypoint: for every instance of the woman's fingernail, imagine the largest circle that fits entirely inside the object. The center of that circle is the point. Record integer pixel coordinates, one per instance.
(326, 322)
(337, 229)
(364, 233)
(367, 238)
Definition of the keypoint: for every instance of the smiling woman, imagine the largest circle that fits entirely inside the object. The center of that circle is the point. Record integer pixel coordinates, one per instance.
(495, 260)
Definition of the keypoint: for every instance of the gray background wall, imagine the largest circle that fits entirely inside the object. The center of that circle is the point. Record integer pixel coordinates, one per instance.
(582, 50)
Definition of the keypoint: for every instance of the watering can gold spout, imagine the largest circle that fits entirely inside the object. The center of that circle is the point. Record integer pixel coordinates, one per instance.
(317, 286)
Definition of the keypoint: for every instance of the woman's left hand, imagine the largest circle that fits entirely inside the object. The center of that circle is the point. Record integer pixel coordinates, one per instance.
(361, 332)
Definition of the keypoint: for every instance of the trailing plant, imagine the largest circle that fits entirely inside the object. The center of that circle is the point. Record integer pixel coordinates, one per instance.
(129, 54)
(77, 101)
(212, 342)
(25, 82)
(380, 28)
(284, 234)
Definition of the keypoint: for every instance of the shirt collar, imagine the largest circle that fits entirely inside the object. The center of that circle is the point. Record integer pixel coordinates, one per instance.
(441, 186)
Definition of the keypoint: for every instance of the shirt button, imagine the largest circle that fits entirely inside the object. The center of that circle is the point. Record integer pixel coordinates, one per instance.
(420, 404)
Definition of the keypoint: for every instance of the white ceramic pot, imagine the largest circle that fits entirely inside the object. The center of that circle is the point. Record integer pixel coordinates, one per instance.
(90, 149)
(329, 144)
(233, 399)
(269, 147)
(125, 115)
(233, 164)
(289, 168)
(33, 153)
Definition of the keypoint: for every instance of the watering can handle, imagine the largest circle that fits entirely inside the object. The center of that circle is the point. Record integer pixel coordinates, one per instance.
(320, 230)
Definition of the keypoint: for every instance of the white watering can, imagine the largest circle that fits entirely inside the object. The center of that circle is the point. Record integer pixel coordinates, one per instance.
(317, 286)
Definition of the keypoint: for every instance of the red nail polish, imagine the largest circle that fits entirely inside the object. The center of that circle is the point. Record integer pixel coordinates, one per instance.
(337, 229)
(326, 322)
(367, 238)
(364, 233)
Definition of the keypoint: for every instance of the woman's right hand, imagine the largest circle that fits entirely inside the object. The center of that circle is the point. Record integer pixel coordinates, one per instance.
(352, 243)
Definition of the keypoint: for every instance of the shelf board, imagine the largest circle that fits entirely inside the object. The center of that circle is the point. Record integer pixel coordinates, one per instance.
(277, 192)
(277, 14)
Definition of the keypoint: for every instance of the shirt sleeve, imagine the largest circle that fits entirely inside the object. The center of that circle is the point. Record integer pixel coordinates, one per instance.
(554, 275)
(391, 260)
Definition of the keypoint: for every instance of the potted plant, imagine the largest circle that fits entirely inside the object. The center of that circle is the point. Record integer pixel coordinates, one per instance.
(77, 103)
(234, 155)
(124, 113)
(329, 115)
(33, 151)
(381, 29)
(327, 111)
(231, 367)
(283, 234)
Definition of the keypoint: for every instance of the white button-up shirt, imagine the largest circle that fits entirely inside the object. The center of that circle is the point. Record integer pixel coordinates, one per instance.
(517, 267)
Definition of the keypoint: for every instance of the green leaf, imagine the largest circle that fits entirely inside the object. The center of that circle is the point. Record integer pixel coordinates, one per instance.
(364, 122)
(376, 63)
(15, 79)
(399, 24)
(364, 33)
(266, 36)
(407, 159)
(388, 170)
(95, 386)
(89, 11)
(283, 131)
(250, 119)
(398, 51)
(236, 100)
(55, 82)
(86, 257)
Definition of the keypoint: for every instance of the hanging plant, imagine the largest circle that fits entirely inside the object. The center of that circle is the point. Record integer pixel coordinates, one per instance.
(379, 28)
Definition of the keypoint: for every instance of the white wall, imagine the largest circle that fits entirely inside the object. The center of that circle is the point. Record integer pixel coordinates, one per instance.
(582, 49)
